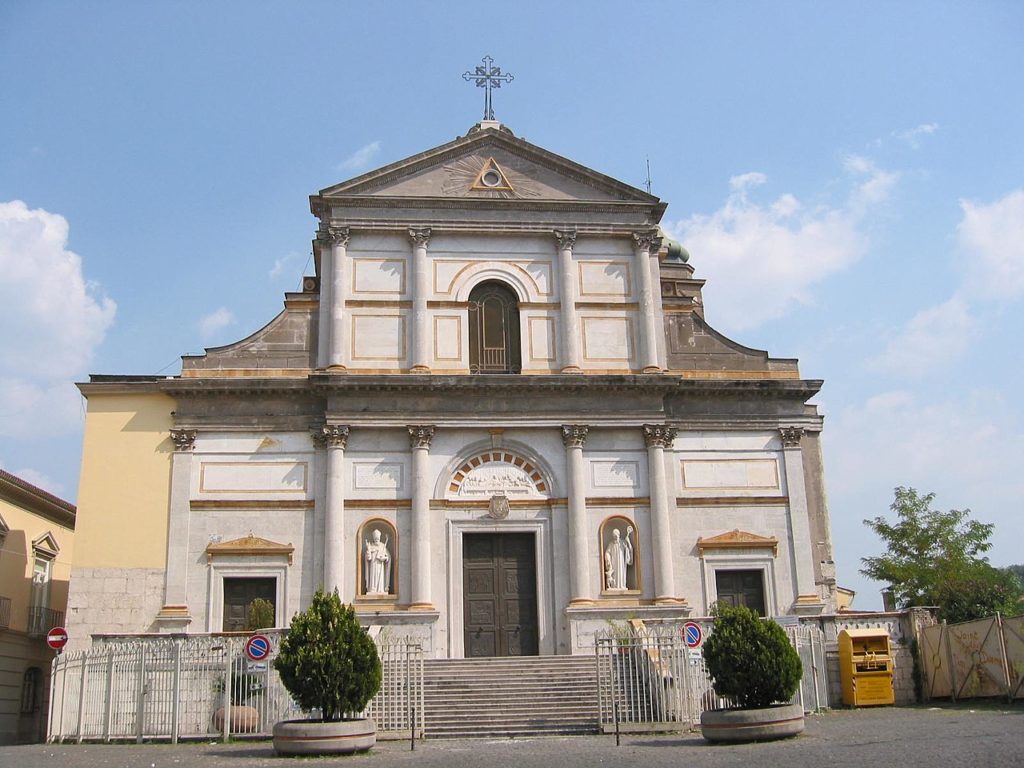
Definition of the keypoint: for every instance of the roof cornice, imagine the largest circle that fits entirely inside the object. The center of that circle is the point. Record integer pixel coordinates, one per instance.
(34, 499)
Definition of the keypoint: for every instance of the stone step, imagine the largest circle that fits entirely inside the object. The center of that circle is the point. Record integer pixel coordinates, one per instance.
(510, 697)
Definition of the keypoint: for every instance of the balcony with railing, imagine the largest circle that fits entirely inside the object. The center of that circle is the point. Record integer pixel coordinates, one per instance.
(5, 612)
(42, 620)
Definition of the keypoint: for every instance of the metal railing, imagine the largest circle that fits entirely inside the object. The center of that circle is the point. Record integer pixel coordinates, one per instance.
(203, 686)
(649, 679)
(42, 620)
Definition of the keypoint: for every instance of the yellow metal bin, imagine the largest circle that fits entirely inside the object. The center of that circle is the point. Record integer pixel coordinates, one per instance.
(865, 667)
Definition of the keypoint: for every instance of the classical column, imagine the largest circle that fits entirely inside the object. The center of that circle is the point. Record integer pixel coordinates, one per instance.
(647, 243)
(174, 616)
(658, 437)
(323, 342)
(334, 509)
(799, 524)
(419, 530)
(338, 344)
(570, 337)
(573, 436)
(421, 334)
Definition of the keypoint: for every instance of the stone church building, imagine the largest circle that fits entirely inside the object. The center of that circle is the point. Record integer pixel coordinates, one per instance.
(495, 420)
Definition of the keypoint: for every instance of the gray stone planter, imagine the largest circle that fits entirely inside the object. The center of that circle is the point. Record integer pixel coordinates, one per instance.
(775, 722)
(309, 737)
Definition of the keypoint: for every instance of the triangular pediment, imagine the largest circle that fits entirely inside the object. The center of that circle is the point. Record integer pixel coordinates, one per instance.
(249, 545)
(46, 546)
(489, 163)
(737, 539)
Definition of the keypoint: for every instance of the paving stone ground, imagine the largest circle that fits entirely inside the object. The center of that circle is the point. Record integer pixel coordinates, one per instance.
(952, 736)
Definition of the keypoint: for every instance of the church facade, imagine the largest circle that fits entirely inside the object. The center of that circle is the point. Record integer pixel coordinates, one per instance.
(495, 420)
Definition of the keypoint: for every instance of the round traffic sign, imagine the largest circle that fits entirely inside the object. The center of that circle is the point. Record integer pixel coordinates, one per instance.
(692, 634)
(257, 647)
(57, 638)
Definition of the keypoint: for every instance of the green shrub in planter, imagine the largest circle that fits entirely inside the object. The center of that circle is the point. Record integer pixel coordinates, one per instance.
(327, 661)
(750, 659)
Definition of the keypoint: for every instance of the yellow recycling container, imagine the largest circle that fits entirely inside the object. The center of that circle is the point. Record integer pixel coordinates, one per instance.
(865, 667)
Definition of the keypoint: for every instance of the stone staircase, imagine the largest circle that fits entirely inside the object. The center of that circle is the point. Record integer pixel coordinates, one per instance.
(510, 697)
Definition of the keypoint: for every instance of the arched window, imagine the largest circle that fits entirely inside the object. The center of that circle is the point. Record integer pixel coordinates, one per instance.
(493, 330)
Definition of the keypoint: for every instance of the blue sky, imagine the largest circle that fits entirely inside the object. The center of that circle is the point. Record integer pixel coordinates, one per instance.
(848, 177)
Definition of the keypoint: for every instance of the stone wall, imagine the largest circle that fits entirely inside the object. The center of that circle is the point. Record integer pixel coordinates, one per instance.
(112, 600)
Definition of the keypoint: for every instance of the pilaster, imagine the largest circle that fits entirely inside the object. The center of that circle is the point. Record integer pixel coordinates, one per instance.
(807, 598)
(174, 616)
(646, 243)
(339, 341)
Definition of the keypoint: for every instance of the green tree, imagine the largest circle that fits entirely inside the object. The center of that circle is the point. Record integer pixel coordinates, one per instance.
(750, 659)
(327, 661)
(935, 558)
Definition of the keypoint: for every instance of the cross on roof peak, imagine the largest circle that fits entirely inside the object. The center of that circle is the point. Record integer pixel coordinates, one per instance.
(487, 77)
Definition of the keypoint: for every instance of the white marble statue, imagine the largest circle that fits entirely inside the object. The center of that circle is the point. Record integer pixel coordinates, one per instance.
(618, 556)
(377, 572)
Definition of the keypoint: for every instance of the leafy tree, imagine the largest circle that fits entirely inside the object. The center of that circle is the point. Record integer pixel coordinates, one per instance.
(750, 659)
(935, 558)
(327, 661)
(259, 614)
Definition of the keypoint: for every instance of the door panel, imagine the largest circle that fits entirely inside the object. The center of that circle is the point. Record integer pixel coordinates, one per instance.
(744, 588)
(500, 594)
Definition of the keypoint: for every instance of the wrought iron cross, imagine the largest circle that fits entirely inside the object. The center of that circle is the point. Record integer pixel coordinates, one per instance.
(488, 76)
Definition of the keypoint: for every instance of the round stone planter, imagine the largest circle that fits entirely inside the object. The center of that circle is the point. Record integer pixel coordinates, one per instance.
(310, 737)
(243, 719)
(776, 722)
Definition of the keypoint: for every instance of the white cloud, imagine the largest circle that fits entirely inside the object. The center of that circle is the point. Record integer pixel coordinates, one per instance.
(761, 259)
(215, 322)
(286, 265)
(991, 238)
(360, 158)
(912, 136)
(54, 319)
(934, 337)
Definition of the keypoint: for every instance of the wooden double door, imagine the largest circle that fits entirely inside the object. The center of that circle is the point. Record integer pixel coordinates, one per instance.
(499, 583)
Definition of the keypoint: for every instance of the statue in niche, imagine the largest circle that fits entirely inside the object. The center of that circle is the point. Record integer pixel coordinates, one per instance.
(618, 556)
(377, 573)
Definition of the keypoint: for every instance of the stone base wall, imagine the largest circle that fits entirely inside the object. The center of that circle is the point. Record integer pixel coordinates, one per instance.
(112, 600)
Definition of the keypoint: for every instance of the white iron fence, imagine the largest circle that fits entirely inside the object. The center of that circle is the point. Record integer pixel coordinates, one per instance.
(650, 679)
(203, 686)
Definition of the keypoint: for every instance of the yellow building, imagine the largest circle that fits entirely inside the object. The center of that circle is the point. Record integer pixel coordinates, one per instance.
(36, 536)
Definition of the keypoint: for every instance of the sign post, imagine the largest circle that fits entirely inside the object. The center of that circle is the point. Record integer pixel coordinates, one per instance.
(57, 638)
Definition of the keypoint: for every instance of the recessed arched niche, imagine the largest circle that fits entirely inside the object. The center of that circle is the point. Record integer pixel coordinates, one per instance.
(620, 556)
(377, 561)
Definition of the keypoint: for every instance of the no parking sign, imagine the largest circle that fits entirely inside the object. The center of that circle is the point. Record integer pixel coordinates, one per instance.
(692, 634)
(257, 647)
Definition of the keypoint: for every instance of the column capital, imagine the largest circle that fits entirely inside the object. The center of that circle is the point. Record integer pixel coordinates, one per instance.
(420, 236)
(184, 439)
(335, 435)
(566, 239)
(318, 437)
(334, 235)
(420, 435)
(791, 436)
(647, 240)
(659, 435)
(574, 435)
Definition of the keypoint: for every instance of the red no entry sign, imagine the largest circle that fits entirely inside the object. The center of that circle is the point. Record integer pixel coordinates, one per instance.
(57, 638)
(257, 647)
